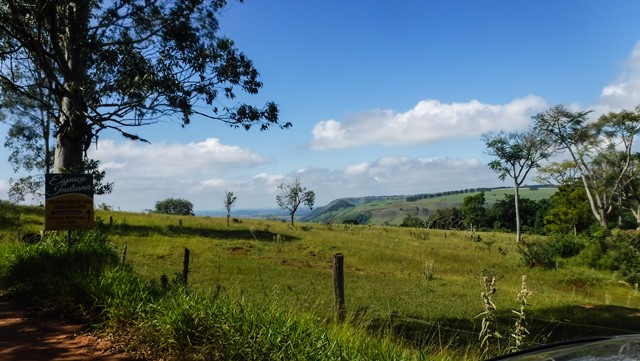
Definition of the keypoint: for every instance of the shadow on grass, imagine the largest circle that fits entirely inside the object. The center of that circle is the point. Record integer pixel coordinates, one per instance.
(176, 231)
(545, 326)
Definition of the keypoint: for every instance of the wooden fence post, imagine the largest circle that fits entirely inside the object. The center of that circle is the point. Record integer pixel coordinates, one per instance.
(338, 286)
(124, 252)
(185, 266)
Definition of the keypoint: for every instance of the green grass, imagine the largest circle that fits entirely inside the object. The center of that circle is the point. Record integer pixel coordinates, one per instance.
(392, 306)
(383, 267)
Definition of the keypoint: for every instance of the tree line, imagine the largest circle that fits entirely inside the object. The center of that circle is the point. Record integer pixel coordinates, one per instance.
(567, 211)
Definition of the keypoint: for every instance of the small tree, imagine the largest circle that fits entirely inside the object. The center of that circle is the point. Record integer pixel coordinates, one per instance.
(177, 206)
(292, 195)
(229, 200)
(516, 154)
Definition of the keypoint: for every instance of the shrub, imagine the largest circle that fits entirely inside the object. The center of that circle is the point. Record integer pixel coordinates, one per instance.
(545, 254)
(623, 254)
(412, 221)
(56, 275)
(537, 253)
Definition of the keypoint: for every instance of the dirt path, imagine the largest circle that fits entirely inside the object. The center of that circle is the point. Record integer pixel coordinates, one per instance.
(26, 335)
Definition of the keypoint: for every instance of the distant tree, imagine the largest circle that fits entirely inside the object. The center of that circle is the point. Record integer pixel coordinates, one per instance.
(412, 221)
(292, 195)
(445, 218)
(175, 206)
(503, 215)
(516, 154)
(473, 211)
(229, 201)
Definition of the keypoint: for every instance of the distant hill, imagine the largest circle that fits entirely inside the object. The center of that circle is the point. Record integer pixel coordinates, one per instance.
(391, 210)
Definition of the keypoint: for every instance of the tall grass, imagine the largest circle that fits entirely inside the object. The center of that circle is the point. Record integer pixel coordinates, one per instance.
(263, 290)
(175, 322)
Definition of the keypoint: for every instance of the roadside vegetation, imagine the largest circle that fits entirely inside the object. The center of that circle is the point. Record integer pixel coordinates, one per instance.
(264, 289)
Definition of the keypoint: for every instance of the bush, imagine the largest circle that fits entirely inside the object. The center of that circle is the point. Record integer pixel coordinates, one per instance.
(412, 221)
(538, 253)
(9, 216)
(622, 254)
(57, 276)
(545, 254)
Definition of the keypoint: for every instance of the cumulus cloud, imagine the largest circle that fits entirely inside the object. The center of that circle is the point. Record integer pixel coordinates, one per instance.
(428, 122)
(145, 173)
(166, 160)
(396, 175)
(624, 92)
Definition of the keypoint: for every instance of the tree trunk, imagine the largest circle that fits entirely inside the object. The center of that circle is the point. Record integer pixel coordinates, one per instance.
(517, 205)
(636, 214)
(69, 151)
(597, 208)
(74, 134)
(292, 219)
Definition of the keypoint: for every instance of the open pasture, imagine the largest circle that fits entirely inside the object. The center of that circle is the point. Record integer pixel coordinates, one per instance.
(426, 282)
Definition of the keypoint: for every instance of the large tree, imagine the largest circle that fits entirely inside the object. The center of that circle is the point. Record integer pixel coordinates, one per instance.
(516, 154)
(292, 195)
(29, 142)
(600, 151)
(125, 63)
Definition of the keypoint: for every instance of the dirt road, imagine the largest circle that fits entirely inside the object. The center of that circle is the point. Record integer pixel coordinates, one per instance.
(27, 335)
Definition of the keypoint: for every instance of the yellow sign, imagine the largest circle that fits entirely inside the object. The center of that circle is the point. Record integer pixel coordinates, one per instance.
(68, 202)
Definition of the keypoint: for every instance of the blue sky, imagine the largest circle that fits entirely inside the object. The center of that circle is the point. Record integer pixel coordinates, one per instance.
(385, 97)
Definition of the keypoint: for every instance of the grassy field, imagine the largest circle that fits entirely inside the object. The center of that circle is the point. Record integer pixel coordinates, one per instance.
(421, 286)
(386, 272)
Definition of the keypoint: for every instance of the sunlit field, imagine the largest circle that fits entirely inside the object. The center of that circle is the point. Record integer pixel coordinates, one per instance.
(419, 289)
(429, 276)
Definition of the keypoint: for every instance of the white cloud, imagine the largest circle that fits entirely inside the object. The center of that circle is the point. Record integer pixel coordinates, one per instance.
(137, 190)
(214, 183)
(145, 173)
(396, 175)
(173, 160)
(428, 122)
(357, 169)
(624, 92)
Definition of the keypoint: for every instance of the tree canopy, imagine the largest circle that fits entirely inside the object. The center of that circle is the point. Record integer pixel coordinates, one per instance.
(600, 151)
(123, 64)
(292, 195)
(176, 206)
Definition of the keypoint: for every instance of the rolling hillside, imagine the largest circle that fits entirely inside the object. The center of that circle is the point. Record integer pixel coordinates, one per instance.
(391, 210)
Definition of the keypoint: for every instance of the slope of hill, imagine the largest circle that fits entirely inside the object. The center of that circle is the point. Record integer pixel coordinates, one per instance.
(391, 210)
